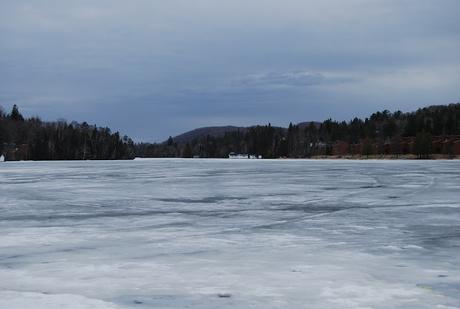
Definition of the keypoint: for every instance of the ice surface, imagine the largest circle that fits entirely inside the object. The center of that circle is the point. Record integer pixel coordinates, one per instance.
(173, 233)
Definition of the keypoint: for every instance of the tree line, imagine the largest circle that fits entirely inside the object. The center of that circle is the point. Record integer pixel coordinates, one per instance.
(34, 139)
(383, 132)
(434, 129)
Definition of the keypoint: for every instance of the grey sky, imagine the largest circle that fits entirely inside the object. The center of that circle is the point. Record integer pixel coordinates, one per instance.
(156, 68)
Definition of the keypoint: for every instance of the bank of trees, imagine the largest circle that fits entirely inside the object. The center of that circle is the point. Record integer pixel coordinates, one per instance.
(383, 132)
(34, 139)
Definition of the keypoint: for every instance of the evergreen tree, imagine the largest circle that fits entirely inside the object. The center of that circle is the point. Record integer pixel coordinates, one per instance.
(187, 152)
(15, 114)
(423, 145)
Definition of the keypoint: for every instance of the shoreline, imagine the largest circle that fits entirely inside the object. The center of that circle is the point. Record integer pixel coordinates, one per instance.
(324, 157)
(387, 157)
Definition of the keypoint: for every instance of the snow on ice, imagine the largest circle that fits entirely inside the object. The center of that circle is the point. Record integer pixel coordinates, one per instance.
(175, 233)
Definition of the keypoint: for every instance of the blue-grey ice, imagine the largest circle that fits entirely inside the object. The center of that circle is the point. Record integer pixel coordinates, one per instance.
(197, 233)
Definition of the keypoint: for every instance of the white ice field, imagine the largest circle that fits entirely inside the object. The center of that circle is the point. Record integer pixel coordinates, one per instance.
(173, 233)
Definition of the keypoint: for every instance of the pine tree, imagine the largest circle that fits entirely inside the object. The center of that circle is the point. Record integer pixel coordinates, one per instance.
(15, 114)
(187, 153)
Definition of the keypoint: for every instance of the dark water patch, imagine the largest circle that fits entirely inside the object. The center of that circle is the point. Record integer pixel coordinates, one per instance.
(18, 182)
(210, 301)
(224, 295)
(12, 257)
(121, 214)
(313, 209)
(44, 252)
(371, 187)
(205, 200)
(275, 225)
(105, 212)
(278, 194)
(336, 169)
(319, 208)
(74, 249)
(166, 225)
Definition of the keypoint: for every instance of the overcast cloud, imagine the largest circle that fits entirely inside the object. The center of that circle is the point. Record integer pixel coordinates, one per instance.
(156, 68)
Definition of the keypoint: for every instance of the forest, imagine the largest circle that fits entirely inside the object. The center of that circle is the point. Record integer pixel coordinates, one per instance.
(422, 133)
(427, 131)
(34, 139)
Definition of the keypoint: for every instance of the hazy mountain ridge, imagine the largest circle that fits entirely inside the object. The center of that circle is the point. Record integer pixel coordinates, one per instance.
(216, 131)
(219, 131)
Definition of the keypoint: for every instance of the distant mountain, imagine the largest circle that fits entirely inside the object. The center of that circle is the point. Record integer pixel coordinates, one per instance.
(219, 131)
(205, 131)
(305, 124)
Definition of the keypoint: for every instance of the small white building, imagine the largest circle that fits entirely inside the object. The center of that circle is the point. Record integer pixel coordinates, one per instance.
(233, 155)
(2, 158)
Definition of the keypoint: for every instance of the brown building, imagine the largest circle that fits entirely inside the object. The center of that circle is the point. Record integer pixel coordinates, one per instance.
(456, 147)
(340, 148)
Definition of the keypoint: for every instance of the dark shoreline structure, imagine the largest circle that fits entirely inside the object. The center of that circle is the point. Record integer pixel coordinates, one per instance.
(33, 139)
(430, 132)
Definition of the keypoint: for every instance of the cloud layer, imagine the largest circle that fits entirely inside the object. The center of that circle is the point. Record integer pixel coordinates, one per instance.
(153, 69)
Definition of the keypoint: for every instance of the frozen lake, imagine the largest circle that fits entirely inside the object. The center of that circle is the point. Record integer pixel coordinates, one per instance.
(173, 233)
